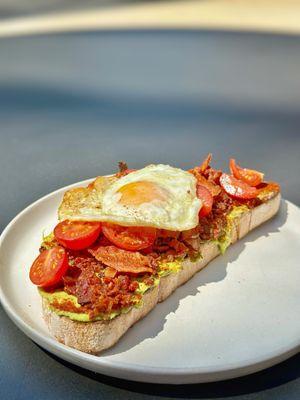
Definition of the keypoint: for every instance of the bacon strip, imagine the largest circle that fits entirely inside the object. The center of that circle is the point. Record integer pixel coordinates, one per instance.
(123, 261)
(201, 180)
(170, 246)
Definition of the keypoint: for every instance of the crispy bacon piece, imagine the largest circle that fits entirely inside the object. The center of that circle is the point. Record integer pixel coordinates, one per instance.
(110, 272)
(179, 247)
(206, 162)
(209, 184)
(169, 246)
(191, 239)
(122, 166)
(213, 175)
(164, 233)
(123, 169)
(123, 261)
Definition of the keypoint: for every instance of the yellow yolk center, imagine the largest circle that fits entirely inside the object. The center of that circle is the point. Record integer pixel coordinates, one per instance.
(137, 193)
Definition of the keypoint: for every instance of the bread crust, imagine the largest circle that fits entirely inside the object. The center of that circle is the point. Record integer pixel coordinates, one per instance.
(94, 337)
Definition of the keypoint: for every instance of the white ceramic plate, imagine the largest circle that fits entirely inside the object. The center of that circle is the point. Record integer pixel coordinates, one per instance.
(237, 316)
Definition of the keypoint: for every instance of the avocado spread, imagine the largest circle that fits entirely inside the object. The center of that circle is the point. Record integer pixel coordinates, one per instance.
(225, 239)
(167, 268)
(62, 296)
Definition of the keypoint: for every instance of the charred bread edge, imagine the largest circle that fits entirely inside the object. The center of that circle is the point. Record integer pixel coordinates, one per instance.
(94, 337)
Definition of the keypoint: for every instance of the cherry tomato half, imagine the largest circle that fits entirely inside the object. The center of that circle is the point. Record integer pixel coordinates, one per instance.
(49, 267)
(207, 200)
(249, 176)
(77, 235)
(237, 188)
(129, 237)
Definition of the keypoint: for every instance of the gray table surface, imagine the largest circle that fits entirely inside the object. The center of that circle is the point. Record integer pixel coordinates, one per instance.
(73, 105)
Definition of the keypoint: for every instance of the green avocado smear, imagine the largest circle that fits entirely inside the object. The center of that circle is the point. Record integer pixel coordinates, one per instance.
(171, 267)
(60, 296)
(225, 239)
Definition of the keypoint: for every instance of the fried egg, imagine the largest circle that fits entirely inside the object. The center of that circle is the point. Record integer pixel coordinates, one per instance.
(159, 196)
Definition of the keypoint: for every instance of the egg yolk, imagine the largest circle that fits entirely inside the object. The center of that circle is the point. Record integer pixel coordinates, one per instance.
(137, 193)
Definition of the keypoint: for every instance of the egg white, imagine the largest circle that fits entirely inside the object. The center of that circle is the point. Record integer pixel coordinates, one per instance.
(178, 209)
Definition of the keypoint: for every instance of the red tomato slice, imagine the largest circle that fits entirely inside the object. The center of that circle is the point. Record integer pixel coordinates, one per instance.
(249, 176)
(49, 267)
(206, 162)
(237, 188)
(207, 199)
(77, 235)
(129, 237)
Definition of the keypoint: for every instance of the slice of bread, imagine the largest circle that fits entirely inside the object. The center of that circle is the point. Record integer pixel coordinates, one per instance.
(94, 337)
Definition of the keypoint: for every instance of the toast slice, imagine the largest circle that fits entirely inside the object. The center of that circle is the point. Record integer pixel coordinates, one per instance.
(94, 337)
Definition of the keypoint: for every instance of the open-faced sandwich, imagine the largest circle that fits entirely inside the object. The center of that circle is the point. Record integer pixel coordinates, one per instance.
(127, 241)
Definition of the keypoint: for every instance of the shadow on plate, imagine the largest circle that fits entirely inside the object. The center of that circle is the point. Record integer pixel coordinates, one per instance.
(278, 375)
(216, 272)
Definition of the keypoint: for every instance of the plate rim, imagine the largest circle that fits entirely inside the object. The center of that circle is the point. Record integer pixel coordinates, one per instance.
(122, 369)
